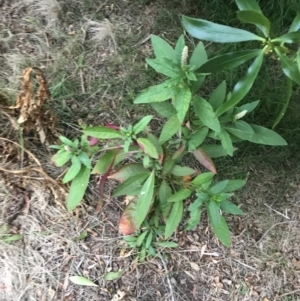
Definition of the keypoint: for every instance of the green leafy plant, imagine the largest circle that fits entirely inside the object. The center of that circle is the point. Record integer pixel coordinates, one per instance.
(280, 47)
(158, 188)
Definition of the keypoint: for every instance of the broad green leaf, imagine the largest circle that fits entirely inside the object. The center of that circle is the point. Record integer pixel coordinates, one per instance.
(191, 76)
(141, 125)
(249, 107)
(196, 85)
(214, 212)
(199, 56)
(218, 96)
(171, 127)
(61, 158)
(182, 171)
(85, 160)
(82, 281)
(233, 185)
(241, 129)
(168, 166)
(226, 142)
(248, 5)
(256, 18)
(179, 153)
(112, 275)
(131, 186)
(174, 219)
(104, 162)
(179, 48)
(202, 178)
(66, 141)
(166, 244)
(165, 66)
(214, 150)
(102, 132)
(295, 26)
(197, 138)
(128, 171)
(147, 147)
(213, 32)
(182, 102)
(145, 199)
(265, 136)
(164, 193)
(141, 238)
(205, 160)
(78, 187)
(158, 93)
(290, 38)
(194, 219)
(73, 170)
(206, 113)
(221, 231)
(11, 238)
(243, 86)
(154, 140)
(165, 109)
(219, 187)
(289, 67)
(229, 207)
(180, 195)
(162, 49)
(201, 198)
(228, 60)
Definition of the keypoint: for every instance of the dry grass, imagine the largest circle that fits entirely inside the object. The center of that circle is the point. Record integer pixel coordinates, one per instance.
(95, 67)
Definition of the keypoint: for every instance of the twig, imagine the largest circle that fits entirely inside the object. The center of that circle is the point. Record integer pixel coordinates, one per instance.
(290, 293)
(273, 227)
(285, 216)
(245, 265)
(82, 81)
(168, 278)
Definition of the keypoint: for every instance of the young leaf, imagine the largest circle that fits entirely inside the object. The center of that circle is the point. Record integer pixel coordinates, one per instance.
(201, 198)
(145, 199)
(73, 170)
(11, 238)
(112, 275)
(165, 66)
(249, 107)
(233, 185)
(180, 195)
(214, 150)
(66, 141)
(202, 179)
(82, 281)
(206, 113)
(102, 132)
(171, 127)
(243, 86)
(141, 125)
(229, 207)
(205, 160)
(197, 138)
(78, 187)
(248, 5)
(213, 210)
(61, 158)
(141, 238)
(165, 109)
(131, 186)
(290, 38)
(179, 48)
(147, 147)
(127, 223)
(289, 68)
(162, 49)
(228, 60)
(226, 142)
(85, 160)
(196, 85)
(256, 18)
(219, 187)
(127, 171)
(166, 244)
(213, 32)
(174, 219)
(164, 193)
(221, 231)
(218, 96)
(199, 56)
(104, 162)
(194, 219)
(157, 93)
(182, 171)
(182, 102)
(295, 26)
